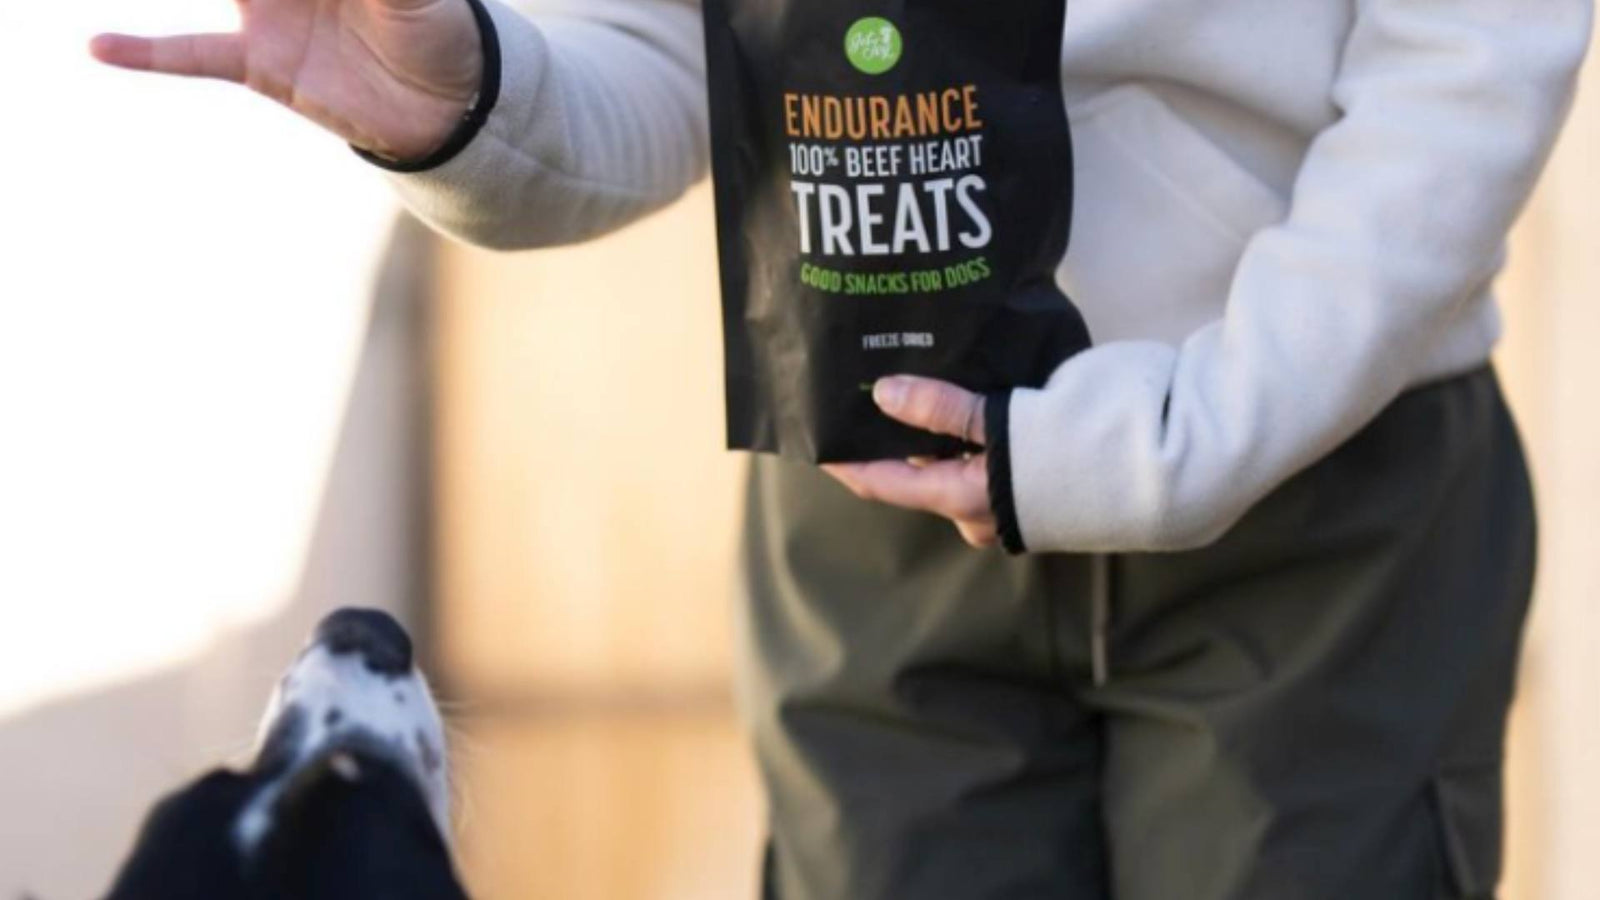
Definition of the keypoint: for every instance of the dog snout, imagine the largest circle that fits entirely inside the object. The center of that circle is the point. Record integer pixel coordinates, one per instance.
(374, 635)
(281, 746)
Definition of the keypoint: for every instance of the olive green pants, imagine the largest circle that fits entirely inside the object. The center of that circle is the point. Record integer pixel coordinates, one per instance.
(1314, 707)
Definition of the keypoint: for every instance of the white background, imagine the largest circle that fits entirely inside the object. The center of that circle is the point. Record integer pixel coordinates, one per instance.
(183, 280)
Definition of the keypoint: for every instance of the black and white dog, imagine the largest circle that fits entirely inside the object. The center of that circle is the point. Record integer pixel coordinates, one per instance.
(347, 799)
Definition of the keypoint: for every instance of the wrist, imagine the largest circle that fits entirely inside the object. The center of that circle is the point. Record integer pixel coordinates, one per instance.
(460, 119)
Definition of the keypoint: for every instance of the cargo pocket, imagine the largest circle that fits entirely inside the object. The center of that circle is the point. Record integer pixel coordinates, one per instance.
(1468, 806)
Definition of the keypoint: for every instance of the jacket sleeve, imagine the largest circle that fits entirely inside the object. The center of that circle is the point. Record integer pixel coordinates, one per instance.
(1399, 214)
(601, 119)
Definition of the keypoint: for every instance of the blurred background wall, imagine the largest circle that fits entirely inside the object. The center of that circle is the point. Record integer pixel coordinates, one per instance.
(1552, 371)
(229, 401)
(586, 526)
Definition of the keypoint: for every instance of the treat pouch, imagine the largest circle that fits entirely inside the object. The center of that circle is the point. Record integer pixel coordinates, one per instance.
(894, 195)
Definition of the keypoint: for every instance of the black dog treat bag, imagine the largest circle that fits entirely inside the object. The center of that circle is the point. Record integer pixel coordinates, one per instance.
(894, 194)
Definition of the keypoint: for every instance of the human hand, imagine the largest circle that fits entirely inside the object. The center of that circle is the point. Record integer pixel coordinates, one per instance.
(957, 489)
(393, 77)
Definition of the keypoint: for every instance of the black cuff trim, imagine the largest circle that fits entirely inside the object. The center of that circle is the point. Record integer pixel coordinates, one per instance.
(997, 427)
(473, 121)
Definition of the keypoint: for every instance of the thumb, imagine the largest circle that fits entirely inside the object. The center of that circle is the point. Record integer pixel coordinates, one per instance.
(931, 405)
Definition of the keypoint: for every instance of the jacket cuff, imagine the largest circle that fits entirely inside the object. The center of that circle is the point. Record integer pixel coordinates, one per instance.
(472, 123)
(1002, 500)
(1097, 468)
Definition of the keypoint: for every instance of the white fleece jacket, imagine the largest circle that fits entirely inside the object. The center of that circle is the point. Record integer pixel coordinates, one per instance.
(1287, 214)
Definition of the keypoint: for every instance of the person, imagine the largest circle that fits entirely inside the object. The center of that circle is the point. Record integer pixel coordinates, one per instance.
(1278, 531)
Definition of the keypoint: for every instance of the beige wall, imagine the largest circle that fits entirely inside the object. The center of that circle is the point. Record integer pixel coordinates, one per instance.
(1551, 363)
(586, 558)
(586, 505)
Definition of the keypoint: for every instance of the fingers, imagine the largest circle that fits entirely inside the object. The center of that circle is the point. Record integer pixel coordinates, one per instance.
(936, 406)
(955, 489)
(980, 535)
(194, 55)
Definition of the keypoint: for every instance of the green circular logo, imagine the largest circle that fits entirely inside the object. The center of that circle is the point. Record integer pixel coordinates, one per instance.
(874, 45)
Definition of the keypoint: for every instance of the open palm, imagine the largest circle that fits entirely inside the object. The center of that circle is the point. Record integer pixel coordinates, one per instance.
(390, 76)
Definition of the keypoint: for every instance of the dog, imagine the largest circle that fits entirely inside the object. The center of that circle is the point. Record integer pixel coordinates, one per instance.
(348, 796)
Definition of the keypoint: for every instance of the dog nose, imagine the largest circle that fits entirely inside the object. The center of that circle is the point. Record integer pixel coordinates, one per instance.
(374, 634)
